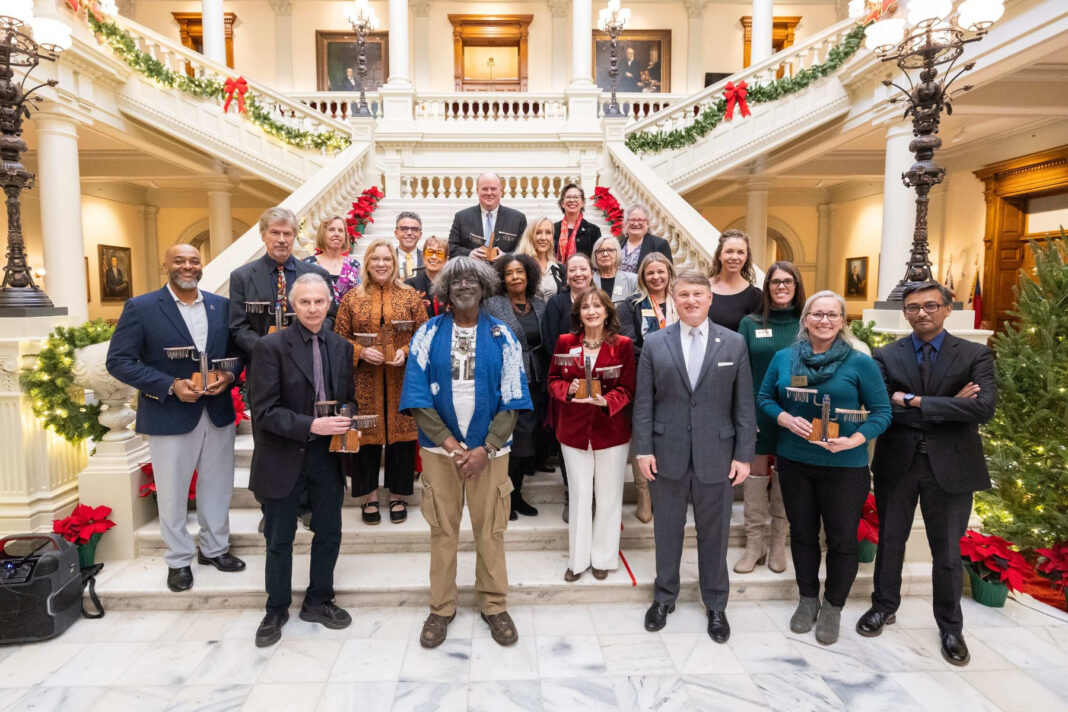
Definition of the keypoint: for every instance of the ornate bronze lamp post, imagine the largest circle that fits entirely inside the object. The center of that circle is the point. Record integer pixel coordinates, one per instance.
(611, 21)
(931, 34)
(20, 50)
(364, 21)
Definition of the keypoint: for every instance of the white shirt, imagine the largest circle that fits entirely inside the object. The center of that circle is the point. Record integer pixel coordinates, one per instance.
(195, 317)
(685, 332)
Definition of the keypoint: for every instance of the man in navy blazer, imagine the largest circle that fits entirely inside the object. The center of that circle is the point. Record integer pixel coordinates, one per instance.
(188, 429)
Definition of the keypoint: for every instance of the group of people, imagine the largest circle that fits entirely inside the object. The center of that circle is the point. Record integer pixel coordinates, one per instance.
(486, 356)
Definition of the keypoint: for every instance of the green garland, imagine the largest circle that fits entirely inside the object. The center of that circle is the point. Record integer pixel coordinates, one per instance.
(866, 332)
(50, 382)
(710, 118)
(123, 45)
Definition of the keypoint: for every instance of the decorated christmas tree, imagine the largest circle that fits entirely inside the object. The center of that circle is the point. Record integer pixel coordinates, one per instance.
(1027, 440)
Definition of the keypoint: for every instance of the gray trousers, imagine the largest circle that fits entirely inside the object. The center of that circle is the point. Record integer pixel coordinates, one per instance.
(712, 517)
(209, 451)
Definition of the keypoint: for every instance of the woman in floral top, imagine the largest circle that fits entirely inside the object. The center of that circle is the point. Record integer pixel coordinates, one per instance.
(332, 254)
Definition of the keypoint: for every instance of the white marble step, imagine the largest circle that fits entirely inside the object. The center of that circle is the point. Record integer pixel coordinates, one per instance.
(547, 531)
(535, 577)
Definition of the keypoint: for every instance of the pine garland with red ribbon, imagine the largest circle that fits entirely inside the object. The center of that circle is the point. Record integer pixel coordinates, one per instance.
(235, 87)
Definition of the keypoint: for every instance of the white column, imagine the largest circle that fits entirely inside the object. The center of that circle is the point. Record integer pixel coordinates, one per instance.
(59, 178)
(899, 210)
(695, 76)
(150, 231)
(211, 14)
(220, 226)
(823, 248)
(756, 219)
(398, 44)
(559, 9)
(581, 35)
(421, 37)
(283, 43)
(760, 44)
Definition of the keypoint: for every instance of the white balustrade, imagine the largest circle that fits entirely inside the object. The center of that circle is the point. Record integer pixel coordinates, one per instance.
(338, 105)
(637, 106)
(497, 106)
(436, 184)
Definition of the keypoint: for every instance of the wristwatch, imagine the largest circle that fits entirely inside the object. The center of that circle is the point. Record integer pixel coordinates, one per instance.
(908, 399)
(170, 391)
(491, 452)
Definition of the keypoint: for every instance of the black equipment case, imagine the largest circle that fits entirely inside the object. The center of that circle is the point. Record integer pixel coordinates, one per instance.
(40, 587)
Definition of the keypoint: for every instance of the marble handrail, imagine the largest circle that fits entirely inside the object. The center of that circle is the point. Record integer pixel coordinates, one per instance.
(432, 184)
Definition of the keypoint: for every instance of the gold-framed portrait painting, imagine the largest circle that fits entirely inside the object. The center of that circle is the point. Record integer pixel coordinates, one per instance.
(336, 57)
(856, 278)
(116, 277)
(644, 61)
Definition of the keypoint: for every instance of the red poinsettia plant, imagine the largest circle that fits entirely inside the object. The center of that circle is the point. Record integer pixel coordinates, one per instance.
(604, 201)
(83, 523)
(1053, 564)
(361, 212)
(868, 529)
(994, 559)
(149, 487)
(236, 393)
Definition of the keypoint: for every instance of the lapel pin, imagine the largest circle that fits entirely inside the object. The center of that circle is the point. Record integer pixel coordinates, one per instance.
(717, 339)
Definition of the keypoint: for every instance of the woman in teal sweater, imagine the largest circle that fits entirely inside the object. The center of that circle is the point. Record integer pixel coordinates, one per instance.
(824, 479)
(772, 328)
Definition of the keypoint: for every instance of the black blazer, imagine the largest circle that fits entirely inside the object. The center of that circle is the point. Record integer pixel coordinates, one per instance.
(256, 282)
(425, 286)
(650, 243)
(282, 389)
(509, 228)
(557, 320)
(588, 235)
(950, 425)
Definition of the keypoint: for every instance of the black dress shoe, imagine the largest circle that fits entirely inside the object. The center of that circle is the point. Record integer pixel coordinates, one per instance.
(513, 515)
(545, 467)
(523, 507)
(223, 562)
(656, 616)
(270, 630)
(954, 649)
(328, 613)
(718, 627)
(179, 580)
(871, 623)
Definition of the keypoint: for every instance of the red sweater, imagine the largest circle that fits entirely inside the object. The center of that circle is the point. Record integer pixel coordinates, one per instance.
(583, 425)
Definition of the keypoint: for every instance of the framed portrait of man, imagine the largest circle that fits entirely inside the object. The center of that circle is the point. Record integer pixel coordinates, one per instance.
(644, 61)
(856, 278)
(337, 56)
(116, 279)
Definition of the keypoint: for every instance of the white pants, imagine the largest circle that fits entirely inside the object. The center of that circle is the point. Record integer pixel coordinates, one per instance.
(594, 540)
(209, 451)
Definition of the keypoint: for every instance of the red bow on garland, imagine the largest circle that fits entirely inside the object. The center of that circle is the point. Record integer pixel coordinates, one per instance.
(736, 94)
(91, 5)
(235, 86)
(886, 7)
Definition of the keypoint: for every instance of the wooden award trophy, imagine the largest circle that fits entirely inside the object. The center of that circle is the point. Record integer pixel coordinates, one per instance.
(264, 311)
(491, 251)
(590, 386)
(825, 427)
(205, 376)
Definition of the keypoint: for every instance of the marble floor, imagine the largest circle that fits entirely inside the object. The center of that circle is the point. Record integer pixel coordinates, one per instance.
(582, 657)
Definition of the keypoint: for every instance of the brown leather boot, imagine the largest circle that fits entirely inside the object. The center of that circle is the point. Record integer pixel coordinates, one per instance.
(644, 509)
(755, 498)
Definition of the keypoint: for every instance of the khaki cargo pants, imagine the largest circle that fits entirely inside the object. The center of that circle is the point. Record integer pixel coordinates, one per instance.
(488, 502)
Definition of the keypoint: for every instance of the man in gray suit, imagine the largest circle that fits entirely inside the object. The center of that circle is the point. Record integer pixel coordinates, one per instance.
(694, 435)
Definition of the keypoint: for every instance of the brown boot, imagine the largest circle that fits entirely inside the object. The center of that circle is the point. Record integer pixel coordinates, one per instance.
(755, 498)
(644, 509)
(780, 528)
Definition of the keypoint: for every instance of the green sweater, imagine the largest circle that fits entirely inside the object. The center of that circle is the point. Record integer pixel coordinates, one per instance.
(857, 381)
(782, 325)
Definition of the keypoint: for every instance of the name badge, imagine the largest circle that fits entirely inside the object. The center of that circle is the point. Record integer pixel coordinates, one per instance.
(617, 291)
(648, 312)
(798, 381)
(577, 351)
(763, 333)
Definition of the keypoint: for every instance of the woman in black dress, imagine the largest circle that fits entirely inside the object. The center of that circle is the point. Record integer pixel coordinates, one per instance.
(732, 281)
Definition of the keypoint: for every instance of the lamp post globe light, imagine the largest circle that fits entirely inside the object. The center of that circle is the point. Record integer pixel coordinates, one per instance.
(611, 20)
(25, 40)
(363, 20)
(926, 35)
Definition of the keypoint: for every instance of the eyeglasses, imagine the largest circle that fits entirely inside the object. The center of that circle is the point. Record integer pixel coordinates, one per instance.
(440, 254)
(637, 221)
(929, 307)
(462, 281)
(409, 229)
(606, 251)
(820, 316)
(788, 282)
(572, 196)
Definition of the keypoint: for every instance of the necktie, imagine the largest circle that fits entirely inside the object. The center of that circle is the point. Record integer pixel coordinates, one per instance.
(926, 351)
(409, 268)
(317, 370)
(489, 226)
(696, 357)
(280, 296)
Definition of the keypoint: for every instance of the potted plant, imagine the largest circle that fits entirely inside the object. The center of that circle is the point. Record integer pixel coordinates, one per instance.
(868, 531)
(83, 528)
(993, 567)
(1053, 564)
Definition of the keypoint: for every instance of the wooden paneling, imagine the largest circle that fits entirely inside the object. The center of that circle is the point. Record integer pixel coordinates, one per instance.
(489, 31)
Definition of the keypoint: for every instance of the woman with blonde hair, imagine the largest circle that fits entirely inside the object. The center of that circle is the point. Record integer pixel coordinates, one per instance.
(652, 308)
(332, 254)
(379, 317)
(537, 242)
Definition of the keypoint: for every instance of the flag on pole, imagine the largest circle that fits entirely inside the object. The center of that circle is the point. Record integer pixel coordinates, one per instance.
(975, 301)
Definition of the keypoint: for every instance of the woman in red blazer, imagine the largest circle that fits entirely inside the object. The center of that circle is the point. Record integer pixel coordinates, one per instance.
(594, 432)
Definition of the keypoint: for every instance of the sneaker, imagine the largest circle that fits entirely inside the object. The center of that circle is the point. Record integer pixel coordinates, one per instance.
(270, 630)
(328, 613)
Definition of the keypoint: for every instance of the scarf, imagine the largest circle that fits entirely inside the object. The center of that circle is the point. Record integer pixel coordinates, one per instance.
(818, 368)
(567, 247)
